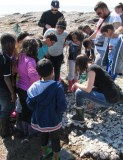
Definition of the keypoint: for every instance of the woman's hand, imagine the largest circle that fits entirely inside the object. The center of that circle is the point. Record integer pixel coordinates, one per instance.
(74, 87)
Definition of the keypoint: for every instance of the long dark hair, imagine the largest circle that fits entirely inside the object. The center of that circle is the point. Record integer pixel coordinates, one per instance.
(81, 63)
(77, 33)
(30, 48)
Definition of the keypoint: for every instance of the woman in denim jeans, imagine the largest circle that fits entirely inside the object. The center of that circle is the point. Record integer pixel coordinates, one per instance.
(99, 88)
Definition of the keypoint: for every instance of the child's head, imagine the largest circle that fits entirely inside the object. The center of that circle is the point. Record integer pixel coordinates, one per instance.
(50, 39)
(20, 39)
(107, 29)
(30, 48)
(80, 28)
(87, 44)
(22, 36)
(119, 8)
(8, 42)
(61, 25)
(81, 63)
(86, 29)
(45, 68)
(76, 36)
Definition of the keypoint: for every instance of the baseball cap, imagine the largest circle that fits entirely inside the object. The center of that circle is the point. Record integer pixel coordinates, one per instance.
(55, 3)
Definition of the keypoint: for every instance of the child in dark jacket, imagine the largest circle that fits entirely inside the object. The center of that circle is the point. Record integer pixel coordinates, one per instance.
(47, 101)
(89, 51)
(74, 39)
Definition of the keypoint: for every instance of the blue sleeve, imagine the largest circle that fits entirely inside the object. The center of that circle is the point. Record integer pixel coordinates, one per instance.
(61, 101)
(30, 103)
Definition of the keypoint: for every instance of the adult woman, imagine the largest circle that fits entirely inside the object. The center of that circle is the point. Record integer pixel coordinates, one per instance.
(27, 76)
(119, 10)
(100, 87)
(56, 51)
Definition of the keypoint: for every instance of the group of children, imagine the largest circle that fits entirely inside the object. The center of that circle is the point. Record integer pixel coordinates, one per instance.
(26, 73)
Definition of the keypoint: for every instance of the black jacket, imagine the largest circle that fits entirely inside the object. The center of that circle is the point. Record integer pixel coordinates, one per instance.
(49, 18)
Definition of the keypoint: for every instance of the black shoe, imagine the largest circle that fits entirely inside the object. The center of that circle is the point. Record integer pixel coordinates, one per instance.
(5, 130)
(79, 117)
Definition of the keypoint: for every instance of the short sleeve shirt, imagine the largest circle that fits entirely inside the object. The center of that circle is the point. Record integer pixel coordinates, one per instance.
(5, 69)
(100, 39)
(57, 48)
(105, 84)
(112, 47)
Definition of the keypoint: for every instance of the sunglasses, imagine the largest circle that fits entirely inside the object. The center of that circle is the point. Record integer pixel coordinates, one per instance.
(54, 10)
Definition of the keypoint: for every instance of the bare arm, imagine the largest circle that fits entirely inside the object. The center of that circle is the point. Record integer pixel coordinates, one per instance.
(90, 83)
(116, 25)
(119, 30)
(93, 36)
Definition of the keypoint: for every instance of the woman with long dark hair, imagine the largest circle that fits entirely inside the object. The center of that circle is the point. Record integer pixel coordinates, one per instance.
(100, 87)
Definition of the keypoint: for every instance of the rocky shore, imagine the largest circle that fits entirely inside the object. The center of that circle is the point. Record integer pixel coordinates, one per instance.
(100, 138)
(28, 22)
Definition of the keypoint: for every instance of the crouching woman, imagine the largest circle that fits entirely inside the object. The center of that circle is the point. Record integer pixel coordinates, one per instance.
(99, 88)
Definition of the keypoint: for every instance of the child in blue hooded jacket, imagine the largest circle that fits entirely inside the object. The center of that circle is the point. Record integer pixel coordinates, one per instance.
(47, 101)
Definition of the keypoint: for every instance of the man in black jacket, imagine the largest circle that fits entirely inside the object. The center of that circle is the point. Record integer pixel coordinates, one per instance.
(49, 18)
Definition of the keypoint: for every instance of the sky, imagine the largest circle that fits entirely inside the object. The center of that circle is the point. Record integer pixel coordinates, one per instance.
(12, 6)
(62, 2)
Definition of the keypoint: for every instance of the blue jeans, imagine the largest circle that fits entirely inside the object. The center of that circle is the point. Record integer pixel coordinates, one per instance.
(99, 56)
(92, 96)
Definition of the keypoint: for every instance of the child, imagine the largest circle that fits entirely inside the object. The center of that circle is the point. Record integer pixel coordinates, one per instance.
(56, 51)
(89, 51)
(20, 39)
(17, 114)
(47, 41)
(75, 45)
(114, 52)
(7, 94)
(27, 76)
(47, 101)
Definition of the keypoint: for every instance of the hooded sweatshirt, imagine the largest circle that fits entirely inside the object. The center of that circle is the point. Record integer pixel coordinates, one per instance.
(47, 101)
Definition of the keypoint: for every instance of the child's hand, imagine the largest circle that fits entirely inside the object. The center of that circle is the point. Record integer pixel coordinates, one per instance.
(48, 26)
(74, 87)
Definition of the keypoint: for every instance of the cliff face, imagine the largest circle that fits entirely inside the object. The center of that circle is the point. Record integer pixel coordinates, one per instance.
(29, 21)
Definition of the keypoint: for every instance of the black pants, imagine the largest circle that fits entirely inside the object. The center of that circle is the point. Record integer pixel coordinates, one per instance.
(55, 140)
(6, 106)
(57, 61)
(26, 113)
